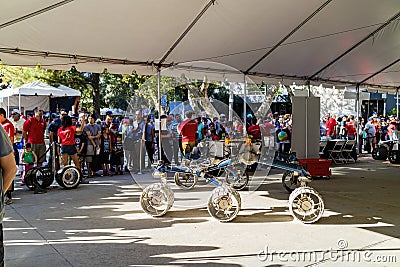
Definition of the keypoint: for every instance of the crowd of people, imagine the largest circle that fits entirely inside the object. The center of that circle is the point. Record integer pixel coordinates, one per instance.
(124, 143)
(376, 128)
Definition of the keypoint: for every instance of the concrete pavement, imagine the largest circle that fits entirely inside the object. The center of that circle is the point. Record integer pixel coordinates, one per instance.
(102, 224)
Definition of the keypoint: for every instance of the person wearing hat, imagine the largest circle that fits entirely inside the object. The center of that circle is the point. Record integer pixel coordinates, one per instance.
(18, 123)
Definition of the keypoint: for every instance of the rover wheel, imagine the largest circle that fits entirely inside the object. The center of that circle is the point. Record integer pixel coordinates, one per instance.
(306, 205)
(157, 199)
(185, 180)
(242, 179)
(224, 203)
(290, 181)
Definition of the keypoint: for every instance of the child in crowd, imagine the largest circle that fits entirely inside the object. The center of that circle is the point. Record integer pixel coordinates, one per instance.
(29, 158)
(105, 150)
(117, 156)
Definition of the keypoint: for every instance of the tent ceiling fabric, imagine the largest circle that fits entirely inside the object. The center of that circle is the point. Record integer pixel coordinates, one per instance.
(126, 35)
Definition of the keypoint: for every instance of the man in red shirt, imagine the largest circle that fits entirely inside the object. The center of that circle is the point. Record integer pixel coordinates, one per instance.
(7, 125)
(33, 132)
(188, 129)
(331, 127)
(351, 129)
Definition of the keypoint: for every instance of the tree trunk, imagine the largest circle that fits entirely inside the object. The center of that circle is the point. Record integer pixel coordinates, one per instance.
(198, 99)
(266, 105)
(95, 82)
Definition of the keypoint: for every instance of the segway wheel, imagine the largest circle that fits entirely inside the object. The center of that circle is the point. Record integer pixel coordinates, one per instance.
(290, 181)
(157, 199)
(224, 203)
(185, 180)
(380, 153)
(68, 177)
(394, 156)
(306, 205)
(242, 179)
(30, 177)
(42, 176)
(375, 154)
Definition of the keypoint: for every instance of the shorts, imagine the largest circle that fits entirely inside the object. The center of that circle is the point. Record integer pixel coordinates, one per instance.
(104, 158)
(69, 150)
(40, 151)
(188, 147)
(117, 159)
(89, 153)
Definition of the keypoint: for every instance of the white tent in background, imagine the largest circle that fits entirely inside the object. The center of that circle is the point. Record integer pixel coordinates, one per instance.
(34, 94)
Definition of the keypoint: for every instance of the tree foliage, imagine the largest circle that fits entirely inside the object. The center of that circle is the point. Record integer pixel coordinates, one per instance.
(97, 90)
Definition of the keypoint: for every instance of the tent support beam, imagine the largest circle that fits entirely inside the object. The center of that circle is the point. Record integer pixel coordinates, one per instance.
(36, 13)
(379, 71)
(395, 17)
(288, 36)
(196, 19)
(75, 60)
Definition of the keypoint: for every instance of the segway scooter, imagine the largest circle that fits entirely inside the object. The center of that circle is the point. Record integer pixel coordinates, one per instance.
(67, 177)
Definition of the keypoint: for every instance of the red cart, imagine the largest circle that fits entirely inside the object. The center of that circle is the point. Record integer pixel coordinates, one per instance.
(317, 167)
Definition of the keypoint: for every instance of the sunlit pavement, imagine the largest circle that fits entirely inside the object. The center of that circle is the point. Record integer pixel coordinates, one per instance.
(102, 224)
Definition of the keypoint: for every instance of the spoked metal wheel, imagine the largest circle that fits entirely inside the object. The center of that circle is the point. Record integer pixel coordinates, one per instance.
(185, 180)
(224, 203)
(157, 199)
(68, 177)
(237, 177)
(306, 205)
(290, 181)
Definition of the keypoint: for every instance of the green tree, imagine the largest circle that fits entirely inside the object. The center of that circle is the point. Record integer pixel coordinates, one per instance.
(118, 89)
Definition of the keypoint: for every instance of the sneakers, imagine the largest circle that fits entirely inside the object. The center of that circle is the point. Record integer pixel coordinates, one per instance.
(22, 184)
(8, 201)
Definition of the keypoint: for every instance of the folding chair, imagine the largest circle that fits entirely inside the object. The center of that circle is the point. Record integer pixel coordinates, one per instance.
(347, 150)
(336, 153)
(322, 148)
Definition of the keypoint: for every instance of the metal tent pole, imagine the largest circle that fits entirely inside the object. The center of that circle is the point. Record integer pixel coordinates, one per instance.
(397, 102)
(244, 106)
(230, 115)
(159, 111)
(8, 107)
(357, 122)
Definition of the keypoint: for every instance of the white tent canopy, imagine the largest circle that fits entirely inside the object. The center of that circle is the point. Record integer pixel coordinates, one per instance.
(33, 94)
(38, 88)
(335, 42)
